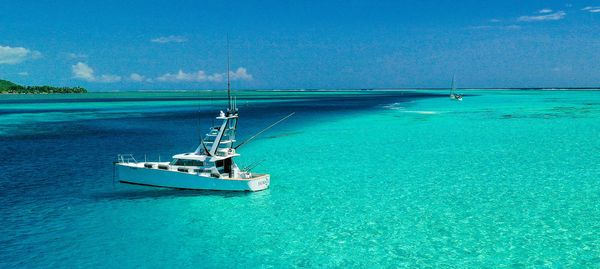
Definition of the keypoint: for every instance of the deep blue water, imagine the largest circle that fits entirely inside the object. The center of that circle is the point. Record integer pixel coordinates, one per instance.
(51, 171)
(364, 179)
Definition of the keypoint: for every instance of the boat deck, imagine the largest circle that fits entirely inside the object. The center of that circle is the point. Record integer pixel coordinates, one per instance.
(166, 166)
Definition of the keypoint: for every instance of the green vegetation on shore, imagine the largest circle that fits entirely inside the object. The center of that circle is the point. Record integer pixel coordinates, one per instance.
(10, 87)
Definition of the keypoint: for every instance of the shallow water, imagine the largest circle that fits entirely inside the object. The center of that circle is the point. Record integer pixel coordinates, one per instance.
(359, 179)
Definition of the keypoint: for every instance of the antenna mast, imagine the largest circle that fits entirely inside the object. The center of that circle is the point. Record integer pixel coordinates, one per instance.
(228, 81)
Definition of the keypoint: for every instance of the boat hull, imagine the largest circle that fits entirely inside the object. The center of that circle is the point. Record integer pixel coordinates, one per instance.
(133, 174)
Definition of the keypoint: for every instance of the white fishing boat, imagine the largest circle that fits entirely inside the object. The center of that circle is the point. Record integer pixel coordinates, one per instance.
(453, 94)
(210, 167)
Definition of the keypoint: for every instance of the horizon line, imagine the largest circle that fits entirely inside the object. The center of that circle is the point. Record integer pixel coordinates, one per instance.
(352, 89)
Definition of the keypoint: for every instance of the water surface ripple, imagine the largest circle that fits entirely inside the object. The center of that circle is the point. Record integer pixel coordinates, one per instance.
(359, 179)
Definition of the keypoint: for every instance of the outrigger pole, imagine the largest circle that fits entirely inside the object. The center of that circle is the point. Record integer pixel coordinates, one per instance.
(263, 130)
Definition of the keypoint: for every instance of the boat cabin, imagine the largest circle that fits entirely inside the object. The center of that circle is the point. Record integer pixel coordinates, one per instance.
(216, 166)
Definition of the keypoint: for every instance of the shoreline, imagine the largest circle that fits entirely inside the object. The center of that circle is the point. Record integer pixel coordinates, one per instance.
(41, 93)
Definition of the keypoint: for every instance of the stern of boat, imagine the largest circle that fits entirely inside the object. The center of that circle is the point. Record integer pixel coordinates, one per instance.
(259, 182)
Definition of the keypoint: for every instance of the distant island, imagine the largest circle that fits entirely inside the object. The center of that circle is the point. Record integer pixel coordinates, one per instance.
(10, 87)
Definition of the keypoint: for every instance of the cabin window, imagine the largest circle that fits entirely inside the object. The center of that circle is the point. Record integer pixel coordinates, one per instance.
(224, 164)
(183, 162)
(219, 163)
(227, 163)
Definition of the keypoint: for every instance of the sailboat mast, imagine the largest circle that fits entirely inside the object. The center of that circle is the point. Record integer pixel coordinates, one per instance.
(453, 84)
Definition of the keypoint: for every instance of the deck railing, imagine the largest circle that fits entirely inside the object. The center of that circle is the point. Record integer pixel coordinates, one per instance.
(126, 158)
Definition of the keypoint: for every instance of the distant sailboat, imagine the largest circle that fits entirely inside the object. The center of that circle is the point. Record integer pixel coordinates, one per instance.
(453, 94)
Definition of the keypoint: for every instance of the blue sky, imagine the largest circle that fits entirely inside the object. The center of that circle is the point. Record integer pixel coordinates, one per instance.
(111, 45)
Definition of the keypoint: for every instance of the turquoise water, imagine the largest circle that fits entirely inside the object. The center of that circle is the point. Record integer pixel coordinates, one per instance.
(359, 179)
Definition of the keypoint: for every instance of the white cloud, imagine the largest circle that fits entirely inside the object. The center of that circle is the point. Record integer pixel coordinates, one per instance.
(591, 9)
(495, 20)
(497, 27)
(545, 11)
(169, 39)
(512, 27)
(108, 78)
(200, 76)
(240, 74)
(564, 68)
(559, 15)
(136, 77)
(24, 74)
(76, 56)
(15, 55)
(85, 72)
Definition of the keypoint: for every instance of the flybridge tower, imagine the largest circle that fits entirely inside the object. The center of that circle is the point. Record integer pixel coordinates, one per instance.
(218, 142)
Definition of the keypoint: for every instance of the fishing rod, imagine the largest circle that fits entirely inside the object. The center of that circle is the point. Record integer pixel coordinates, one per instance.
(264, 130)
(252, 166)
